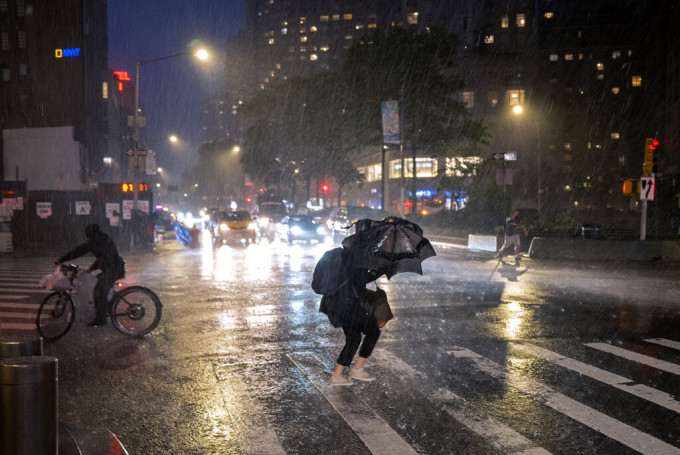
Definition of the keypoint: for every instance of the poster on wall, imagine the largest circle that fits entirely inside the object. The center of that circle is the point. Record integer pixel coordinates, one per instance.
(112, 207)
(43, 209)
(83, 207)
(127, 208)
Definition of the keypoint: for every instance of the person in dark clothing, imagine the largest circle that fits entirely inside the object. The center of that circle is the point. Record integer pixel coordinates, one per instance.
(344, 310)
(512, 225)
(107, 260)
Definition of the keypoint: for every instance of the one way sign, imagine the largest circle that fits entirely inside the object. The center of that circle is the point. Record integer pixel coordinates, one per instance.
(647, 188)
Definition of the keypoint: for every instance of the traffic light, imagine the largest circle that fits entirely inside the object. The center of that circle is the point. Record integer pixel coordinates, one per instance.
(631, 187)
(650, 147)
(325, 187)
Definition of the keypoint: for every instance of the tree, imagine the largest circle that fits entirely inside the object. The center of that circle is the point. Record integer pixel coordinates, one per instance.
(418, 71)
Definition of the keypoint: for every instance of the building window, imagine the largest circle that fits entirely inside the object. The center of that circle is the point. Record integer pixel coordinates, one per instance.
(5, 41)
(303, 48)
(5, 72)
(515, 97)
(21, 8)
(284, 31)
(462, 166)
(549, 15)
(469, 99)
(600, 66)
(425, 167)
(615, 135)
(372, 25)
(615, 90)
(521, 20)
(493, 98)
(636, 81)
(23, 103)
(323, 48)
(347, 17)
(554, 57)
(3, 6)
(21, 39)
(600, 77)
(313, 28)
(303, 20)
(413, 18)
(505, 22)
(569, 57)
(323, 18)
(303, 39)
(336, 17)
(616, 54)
(314, 57)
(105, 90)
(271, 41)
(372, 173)
(359, 26)
(488, 39)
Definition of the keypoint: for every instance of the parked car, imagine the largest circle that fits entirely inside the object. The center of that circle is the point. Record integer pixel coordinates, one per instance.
(234, 226)
(301, 228)
(341, 218)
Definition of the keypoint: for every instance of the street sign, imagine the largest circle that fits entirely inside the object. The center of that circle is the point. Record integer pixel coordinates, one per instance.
(139, 152)
(647, 188)
(498, 156)
(510, 156)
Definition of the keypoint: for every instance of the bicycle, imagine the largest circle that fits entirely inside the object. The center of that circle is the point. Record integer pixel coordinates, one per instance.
(134, 311)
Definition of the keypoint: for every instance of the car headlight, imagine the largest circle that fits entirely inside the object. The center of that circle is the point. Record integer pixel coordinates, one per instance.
(224, 227)
(264, 222)
(295, 230)
(252, 226)
(320, 230)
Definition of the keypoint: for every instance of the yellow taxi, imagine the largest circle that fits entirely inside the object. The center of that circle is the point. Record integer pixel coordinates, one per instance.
(234, 226)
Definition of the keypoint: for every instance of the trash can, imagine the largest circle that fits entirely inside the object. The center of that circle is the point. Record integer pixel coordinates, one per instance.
(20, 345)
(591, 231)
(28, 406)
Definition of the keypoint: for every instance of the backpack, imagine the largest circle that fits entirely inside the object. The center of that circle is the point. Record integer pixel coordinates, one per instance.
(330, 272)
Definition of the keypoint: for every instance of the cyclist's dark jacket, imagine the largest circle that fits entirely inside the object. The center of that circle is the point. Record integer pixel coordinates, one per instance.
(104, 250)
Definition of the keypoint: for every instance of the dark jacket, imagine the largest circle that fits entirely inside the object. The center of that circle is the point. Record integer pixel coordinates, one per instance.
(105, 253)
(349, 297)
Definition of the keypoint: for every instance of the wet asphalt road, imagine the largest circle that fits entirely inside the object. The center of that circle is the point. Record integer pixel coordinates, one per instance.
(483, 357)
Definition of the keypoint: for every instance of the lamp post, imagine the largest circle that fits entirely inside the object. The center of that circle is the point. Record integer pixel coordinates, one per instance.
(201, 55)
(517, 110)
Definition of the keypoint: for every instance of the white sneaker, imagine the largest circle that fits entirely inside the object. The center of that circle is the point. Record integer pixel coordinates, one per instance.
(339, 381)
(361, 375)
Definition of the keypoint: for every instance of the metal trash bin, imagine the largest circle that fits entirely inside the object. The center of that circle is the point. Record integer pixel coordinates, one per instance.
(29, 406)
(20, 345)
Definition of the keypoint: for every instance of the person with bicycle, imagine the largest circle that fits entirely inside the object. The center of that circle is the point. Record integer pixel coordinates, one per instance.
(107, 259)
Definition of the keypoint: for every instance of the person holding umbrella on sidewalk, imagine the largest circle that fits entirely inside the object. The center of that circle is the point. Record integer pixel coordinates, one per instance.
(386, 247)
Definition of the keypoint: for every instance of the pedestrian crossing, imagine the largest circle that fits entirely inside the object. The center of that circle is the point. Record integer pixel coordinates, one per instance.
(381, 435)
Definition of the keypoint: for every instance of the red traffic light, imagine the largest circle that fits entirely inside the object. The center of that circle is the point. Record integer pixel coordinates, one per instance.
(652, 145)
(325, 187)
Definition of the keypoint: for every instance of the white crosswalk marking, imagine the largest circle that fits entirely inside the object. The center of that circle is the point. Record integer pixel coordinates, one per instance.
(664, 342)
(499, 435)
(20, 293)
(635, 357)
(619, 431)
(378, 436)
(614, 380)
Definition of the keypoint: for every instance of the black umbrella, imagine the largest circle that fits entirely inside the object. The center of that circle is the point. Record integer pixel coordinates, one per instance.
(393, 245)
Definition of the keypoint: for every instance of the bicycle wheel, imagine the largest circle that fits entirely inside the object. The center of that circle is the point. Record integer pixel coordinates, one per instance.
(136, 311)
(55, 315)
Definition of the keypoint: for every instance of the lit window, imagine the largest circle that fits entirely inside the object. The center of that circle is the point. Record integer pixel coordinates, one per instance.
(21, 39)
(323, 48)
(291, 49)
(284, 31)
(271, 2)
(303, 48)
(272, 73)
(615, 90)
(413, 18)
(271, 41)
(636, 81)
(359, 26)
(615, 135)
(462, 166)
(493, 98)
(600, 66)
(488, 39)
(600, 77)
(336, 17)
(373, 25)
(284, 23)
(270, 33)
(580, 56)
(303, 39)
(303, 57)
(505, 22)
(277, 66)
(348, 36)
(549, 15)
(313, 28)
(313, 57)
(521, 20)
(554, 57)
(302, 20)
(469, 99)
(323, 18)
(569, 57)
(616, 54)
(425, 167)
(515, 97)
(266, 80)
(302, 30)
(105, 90)
(567, 146)
(347, 17)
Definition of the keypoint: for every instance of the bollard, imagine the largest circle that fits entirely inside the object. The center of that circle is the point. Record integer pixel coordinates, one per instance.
(20, 346)
(28, 406)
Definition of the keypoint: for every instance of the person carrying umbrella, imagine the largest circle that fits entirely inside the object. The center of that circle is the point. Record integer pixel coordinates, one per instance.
(386, 247)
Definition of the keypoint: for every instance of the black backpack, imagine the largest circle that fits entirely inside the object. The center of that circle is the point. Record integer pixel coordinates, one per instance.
(330, 273)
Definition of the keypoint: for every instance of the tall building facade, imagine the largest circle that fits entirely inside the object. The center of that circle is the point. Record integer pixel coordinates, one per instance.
(53, 62)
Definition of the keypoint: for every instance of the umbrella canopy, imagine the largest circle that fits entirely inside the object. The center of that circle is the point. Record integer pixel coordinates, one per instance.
(393, 245)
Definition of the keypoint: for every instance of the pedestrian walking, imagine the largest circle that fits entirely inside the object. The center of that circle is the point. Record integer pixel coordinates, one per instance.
(512, 226)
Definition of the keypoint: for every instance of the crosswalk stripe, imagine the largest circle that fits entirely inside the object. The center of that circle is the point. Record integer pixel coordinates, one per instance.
(18, 315)
(497, 433)
(37, 290)
(14, 297)
(377, 434)
(619, 431)
(18, 325)
(664, 342)
(614, 380)
(635, 357)
(25, 305)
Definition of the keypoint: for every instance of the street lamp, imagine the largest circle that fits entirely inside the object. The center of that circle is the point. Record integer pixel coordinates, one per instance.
(201, 54)
(517, 110)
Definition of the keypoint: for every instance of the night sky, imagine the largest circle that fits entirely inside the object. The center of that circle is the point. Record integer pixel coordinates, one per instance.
(172, 91)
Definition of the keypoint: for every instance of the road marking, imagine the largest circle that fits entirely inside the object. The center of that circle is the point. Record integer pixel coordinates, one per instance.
(37, 290)
(14, 297)
(614, 380)
(635, 357)
(377, 434)
(497, 433)
(664, 342)
(18, 325)
(619, 431)
(23, 305)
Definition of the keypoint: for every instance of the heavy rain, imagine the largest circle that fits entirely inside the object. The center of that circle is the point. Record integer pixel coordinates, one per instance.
(339, 227)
